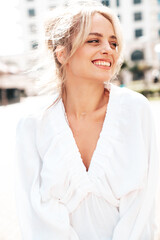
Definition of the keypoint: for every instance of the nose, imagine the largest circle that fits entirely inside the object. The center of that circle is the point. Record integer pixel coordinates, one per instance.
(106, 49)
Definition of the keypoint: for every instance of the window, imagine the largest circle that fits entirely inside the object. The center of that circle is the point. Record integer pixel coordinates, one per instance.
(138, 33)
(119, 16)
(137, 1)
(159, 17)
(51, 7)
(117, 1)
(31, 12)
(158, 2)
(137, 16)
(138, 75)
(32, 28)
(34, 45)
(106, 2)
(159, 32)
(137, 55)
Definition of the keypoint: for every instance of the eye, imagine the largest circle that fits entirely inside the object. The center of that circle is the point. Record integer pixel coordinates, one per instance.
(114, 45)
(93, 41)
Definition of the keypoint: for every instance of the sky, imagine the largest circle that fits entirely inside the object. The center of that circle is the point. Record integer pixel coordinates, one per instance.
(10, 31)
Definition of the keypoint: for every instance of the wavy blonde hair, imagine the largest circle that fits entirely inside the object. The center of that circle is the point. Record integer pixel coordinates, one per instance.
(68, 27)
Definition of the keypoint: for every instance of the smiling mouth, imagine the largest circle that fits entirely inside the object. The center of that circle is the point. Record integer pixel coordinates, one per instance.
(101, 63)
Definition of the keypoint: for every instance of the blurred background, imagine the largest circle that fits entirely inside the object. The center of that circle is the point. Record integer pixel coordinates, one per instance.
(21, 28)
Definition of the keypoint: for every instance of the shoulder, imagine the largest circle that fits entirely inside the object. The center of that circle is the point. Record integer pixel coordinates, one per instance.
(27, 123)
(132, 99)
(40, 109)
(132, 107)
(25, 131)
(129, 94)
(39, 123)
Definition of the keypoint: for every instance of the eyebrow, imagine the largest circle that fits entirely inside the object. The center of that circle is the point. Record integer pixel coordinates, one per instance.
(100, 35)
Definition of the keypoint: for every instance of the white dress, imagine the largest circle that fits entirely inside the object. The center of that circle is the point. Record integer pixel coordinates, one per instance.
(57, 199)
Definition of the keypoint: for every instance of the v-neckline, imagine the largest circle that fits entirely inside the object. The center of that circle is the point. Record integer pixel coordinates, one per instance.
(99, 138)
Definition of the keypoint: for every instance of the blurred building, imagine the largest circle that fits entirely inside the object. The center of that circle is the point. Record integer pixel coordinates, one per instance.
(140, 21)
(141, 24)
(14, 83)
(33, 14)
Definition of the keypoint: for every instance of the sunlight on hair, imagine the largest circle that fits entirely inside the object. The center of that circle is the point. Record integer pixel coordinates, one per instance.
(69, 26)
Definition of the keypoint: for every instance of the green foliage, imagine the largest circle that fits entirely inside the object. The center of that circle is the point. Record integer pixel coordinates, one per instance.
(150, 92)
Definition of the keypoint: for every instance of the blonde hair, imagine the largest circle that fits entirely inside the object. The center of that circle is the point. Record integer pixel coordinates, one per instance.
(69, 26)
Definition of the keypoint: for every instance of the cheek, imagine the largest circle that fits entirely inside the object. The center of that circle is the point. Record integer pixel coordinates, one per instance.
(82, 55)
(116, 63)
(116, 57)
(77, 58)
(80, 60)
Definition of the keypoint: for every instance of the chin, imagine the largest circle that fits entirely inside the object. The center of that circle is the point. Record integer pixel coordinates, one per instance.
(104, 78)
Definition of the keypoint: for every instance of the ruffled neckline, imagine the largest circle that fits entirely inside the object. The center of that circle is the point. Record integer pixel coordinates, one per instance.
(110, 88)
(64, 174)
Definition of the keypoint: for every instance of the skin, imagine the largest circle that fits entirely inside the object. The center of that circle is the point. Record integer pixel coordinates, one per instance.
(85, 99)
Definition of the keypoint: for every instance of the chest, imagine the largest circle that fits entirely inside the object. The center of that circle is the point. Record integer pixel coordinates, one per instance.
(86, 134)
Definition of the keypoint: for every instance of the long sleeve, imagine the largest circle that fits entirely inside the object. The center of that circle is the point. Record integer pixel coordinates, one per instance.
(38, 220)
(138, 209)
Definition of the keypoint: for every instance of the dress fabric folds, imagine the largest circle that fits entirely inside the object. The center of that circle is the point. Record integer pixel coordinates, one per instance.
(114, 200)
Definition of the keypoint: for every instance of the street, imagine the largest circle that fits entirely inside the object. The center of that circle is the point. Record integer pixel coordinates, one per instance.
(9, 116)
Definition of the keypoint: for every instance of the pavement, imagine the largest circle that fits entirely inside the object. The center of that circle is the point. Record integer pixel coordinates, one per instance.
(9, 116)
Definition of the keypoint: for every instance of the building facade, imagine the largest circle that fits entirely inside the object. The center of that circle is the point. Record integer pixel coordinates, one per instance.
(140, 21)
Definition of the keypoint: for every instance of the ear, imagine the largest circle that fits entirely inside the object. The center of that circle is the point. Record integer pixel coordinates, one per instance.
(60, 53)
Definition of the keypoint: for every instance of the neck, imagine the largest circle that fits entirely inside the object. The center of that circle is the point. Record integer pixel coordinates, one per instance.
(84, 99)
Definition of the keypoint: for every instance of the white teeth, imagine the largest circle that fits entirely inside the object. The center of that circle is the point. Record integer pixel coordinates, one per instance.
(102, 63)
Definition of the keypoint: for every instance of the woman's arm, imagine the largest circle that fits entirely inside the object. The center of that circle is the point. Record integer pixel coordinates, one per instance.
(138, 209)
(38, 220)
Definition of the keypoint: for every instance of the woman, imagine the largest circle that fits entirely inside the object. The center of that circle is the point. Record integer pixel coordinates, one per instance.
(88, 165)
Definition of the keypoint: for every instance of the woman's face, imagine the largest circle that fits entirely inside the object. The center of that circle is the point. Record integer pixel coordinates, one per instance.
(96, 59)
